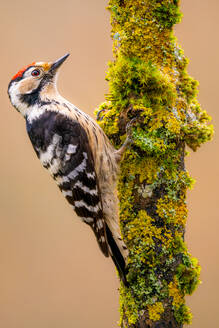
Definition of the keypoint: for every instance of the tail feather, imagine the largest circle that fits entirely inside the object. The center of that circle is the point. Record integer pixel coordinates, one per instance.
(101, 237)
(117, 256)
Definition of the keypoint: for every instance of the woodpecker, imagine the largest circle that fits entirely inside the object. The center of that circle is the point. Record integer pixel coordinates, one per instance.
(75, 151)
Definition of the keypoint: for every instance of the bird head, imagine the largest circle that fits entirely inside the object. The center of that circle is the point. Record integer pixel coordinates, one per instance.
(34, 83)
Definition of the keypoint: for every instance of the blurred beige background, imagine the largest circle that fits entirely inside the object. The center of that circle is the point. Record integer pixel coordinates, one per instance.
(52, 273)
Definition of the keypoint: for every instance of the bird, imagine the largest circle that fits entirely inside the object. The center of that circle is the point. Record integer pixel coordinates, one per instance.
(76, 152)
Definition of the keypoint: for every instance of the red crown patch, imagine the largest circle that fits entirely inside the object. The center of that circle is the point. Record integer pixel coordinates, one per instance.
(20, 73)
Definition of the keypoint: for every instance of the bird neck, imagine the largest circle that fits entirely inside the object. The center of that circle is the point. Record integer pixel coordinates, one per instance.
(32, 104)
(49, 91)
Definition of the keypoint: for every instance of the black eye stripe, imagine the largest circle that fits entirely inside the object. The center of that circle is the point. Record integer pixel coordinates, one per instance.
(35, 72)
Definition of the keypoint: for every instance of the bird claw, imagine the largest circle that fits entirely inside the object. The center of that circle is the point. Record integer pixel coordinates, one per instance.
(128, 141)
(129, 133)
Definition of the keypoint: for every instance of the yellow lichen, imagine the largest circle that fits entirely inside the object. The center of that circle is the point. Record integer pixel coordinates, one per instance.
(127, 307)
(172, 211)
(178, 297)
(183, 313)
(155, 310)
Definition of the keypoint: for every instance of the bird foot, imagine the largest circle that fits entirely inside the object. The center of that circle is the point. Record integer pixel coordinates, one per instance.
(128, 141)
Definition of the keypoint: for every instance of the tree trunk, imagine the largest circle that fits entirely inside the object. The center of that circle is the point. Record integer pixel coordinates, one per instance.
(148, 81)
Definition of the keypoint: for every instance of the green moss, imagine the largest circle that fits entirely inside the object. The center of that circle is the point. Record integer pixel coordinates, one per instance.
(181, 311)
(111, 116)
(187, 274)
(167, 13)
(183, 315)
(148, 81)
(134, 81)
(128, 307)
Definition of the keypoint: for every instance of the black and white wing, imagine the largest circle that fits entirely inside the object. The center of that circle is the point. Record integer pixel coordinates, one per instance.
(62, 145)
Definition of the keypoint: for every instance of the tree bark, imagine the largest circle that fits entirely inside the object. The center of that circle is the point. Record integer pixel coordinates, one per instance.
(148, 81)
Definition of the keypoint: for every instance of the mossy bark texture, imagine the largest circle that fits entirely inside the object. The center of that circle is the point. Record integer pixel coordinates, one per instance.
(148, 81)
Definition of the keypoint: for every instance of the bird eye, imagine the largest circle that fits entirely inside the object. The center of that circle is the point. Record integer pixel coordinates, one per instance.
(35, 72)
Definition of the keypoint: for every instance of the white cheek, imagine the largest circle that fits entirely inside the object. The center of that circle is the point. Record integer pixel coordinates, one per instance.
(22, 87)
(15, 100)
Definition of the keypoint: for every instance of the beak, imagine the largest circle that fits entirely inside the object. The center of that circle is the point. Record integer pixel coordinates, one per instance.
(58, 63)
